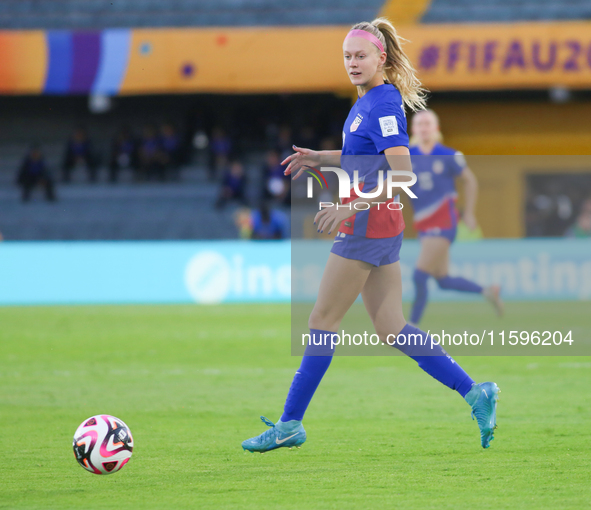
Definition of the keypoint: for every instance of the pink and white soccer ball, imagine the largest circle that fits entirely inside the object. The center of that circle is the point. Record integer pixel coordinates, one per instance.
(103, 444)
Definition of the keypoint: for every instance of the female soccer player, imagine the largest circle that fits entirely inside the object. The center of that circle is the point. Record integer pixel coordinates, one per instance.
(365, 257)
(435, 213)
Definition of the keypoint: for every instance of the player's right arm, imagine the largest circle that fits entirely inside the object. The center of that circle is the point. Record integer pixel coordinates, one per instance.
(471, 192)
(303, 158)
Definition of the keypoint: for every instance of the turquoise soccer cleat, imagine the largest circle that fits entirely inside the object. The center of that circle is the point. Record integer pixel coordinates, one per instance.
(483, 398)
(291, 434)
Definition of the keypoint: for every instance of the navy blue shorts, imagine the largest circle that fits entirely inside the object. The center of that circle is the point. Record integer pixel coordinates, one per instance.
(448, 233)
(378, 252)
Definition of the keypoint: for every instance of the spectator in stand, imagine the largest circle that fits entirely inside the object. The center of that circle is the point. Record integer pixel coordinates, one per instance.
(307, 137)
(582, 227)
(233, 185)
(220, 146)
(329, 144)
(150, 155)
(277, 185)
(34, 172)
(124, 154)
(267, 223)
(243, 222)
(285, 142)
(171, 150)
(79, 153)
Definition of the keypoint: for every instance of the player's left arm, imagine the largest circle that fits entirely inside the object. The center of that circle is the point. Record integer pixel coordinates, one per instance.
(470, 184)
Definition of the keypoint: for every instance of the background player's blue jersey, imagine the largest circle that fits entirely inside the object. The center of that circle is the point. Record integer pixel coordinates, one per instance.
(375, 123)
(436, 193)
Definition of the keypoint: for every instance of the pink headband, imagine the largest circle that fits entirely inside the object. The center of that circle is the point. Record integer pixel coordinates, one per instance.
(366, 35)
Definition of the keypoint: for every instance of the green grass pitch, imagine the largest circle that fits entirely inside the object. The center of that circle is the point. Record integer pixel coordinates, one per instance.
(191, 382)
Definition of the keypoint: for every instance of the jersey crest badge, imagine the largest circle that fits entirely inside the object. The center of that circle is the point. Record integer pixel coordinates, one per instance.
(355, 123)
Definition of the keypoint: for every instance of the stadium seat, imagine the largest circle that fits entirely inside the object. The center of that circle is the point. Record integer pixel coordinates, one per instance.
(97, 14)
(467, 11)
(123, 212)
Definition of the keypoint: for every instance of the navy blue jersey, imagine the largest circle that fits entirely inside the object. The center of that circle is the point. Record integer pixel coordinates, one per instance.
(375, 123)
(436, 194)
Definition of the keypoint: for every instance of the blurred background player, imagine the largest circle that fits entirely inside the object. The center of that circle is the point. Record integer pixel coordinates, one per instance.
(582, 226)
(435, 213)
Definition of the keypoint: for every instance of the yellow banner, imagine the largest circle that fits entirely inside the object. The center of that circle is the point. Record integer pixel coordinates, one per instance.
(236, 60)
(309, 59)
(521, 55)
(287, 59)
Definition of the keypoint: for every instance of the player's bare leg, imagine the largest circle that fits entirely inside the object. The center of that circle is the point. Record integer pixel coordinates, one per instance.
(382, 296)
(342, 281)
(434, 256)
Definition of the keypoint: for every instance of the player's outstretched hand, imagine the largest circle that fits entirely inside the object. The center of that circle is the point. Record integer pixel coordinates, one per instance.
(331, 217)
(299, 160)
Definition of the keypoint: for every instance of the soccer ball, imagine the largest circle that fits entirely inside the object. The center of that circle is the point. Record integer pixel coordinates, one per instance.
(103, 444)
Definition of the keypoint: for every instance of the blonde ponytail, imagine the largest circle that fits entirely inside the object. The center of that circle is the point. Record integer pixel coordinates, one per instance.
(397, 70)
